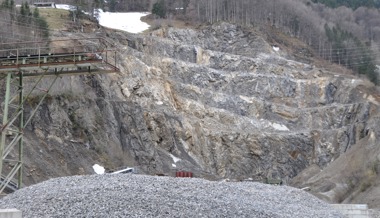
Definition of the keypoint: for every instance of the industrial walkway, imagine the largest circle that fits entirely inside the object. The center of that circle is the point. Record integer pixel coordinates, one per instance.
(40, 59)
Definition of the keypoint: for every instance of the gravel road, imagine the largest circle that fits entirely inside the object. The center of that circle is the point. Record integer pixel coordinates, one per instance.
(122, 195)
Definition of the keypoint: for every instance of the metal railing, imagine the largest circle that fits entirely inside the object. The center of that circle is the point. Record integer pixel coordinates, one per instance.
(62, 52)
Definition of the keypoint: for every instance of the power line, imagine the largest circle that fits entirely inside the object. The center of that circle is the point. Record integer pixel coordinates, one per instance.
(355, 56)
(18, 36)
(21, 23)
(345, 48)
(25, 25)
(28, 17)
(330, 53)
(367, 50)
(349, 56)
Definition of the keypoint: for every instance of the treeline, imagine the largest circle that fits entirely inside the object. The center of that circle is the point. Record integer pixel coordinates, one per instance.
(129, 5)
(163, 8)
(354, 4)
(347, 50)
(110, 5)
(21, 24)
(342, 35)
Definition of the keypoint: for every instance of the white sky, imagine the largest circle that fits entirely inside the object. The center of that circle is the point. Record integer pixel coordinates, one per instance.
(129, 21)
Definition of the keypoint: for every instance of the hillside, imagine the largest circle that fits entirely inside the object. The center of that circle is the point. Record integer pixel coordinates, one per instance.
(221, 100)
(218, 98)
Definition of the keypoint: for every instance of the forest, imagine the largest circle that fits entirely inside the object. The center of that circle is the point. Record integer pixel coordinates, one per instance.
(346, 32)
(354, 4)
(348, 35)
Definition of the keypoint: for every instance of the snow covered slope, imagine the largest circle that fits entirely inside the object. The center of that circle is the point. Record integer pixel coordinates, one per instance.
(126, 21)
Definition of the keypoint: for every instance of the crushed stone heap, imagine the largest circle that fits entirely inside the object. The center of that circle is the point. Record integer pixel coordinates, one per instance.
(148, 196)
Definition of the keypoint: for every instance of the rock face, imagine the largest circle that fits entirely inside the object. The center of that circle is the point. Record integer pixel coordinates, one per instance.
(218, 101)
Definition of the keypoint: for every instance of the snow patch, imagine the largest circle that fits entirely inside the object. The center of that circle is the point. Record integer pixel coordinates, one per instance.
(65, 7)
(174, 166)
(129, 22)
(175, 159)
(98, 169)
(245, 99)
(275, 48)
(276, 126)
(279, 126)
(372, 136)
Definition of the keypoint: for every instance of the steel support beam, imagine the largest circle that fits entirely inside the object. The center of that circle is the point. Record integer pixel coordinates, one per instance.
(21, 128)
(5, 117)
(13, 125)
(16, 68)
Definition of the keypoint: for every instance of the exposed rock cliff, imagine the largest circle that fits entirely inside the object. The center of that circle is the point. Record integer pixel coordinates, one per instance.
(220, 99)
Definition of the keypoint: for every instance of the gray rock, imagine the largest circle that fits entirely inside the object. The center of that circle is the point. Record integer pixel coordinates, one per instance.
(218, 98)
(146, 196)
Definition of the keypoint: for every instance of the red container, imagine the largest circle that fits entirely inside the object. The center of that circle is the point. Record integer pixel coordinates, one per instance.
(181, 174)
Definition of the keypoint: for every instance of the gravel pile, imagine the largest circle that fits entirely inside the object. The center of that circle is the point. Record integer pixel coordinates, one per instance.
(121, 195)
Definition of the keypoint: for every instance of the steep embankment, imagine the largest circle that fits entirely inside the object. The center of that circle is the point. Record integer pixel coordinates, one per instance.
(219, 98)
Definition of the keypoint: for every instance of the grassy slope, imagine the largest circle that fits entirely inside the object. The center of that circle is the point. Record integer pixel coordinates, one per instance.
(57, 19)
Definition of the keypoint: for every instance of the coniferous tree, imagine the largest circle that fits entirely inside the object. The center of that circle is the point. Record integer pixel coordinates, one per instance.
(349, 51)
(354, 4)
(159, 9)
(36, 13)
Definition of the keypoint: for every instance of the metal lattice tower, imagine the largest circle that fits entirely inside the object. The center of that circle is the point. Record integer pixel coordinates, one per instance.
(75, 57)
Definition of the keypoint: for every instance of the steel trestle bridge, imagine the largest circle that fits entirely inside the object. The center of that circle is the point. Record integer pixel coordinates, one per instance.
(38, 60)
